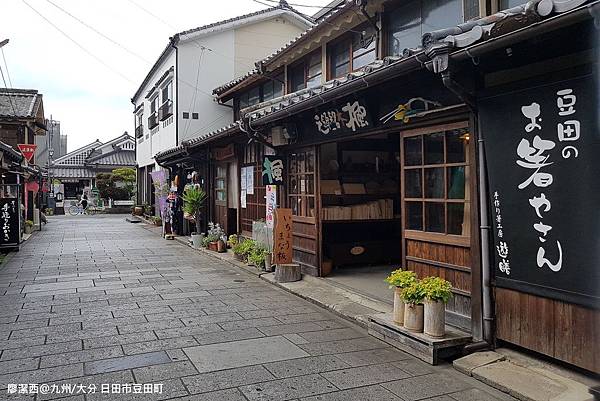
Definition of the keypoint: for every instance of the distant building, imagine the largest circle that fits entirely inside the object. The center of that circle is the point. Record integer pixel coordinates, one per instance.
(54, 142)
(77, 170)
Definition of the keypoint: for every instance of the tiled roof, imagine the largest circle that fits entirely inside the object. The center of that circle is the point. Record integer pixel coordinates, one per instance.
(221, 89)
(72, 172)
(116, 158)
(24, 101)
(11, 152)
(455, 38)
(198, 141)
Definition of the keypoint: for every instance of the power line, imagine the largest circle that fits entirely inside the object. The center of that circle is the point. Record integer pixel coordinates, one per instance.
(98, 59)
(6, 65)
(98, 32)
(193, 100)
(8, 93)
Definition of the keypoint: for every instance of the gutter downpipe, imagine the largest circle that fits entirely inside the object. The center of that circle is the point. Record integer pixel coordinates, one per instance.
(439, 63)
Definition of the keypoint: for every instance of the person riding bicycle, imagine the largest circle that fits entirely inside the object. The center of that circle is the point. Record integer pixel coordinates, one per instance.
(84, 201)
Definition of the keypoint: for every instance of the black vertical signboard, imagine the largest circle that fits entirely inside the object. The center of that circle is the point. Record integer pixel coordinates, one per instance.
(9, 223)
(542, 148)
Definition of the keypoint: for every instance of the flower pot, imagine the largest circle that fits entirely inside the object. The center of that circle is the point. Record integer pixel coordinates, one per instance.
(398, 314)
(197, 240)
(28, 229)
(268, 265)
(238, 256)
(413, 317)
(221, 247)
(212, 246)
(435, 319)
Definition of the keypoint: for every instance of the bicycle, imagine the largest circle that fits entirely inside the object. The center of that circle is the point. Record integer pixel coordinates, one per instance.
(74, 210)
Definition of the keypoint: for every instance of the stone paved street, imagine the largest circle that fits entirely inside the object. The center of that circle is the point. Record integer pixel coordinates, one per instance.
(97, 300)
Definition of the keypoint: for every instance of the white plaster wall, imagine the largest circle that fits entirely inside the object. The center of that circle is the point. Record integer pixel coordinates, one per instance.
(164, 138)
(216, 67)
(256, 41)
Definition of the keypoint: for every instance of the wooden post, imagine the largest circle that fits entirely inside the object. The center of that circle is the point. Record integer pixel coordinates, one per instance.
(286, 273)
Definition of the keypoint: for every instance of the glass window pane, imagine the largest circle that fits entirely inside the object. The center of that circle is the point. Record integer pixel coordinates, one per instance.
(311, 207)
(404, 28)
(412, 183)
(313, 82)
(458, 222)
(296, 77)
(439, 14)
(268, 91)
(412, 151)
(456, 145)
(434, 183)
(505, 4)
(434, 148)
(434, 217)
(456, 182)
(293, 169)
(278, 86)
(294, 205)
(300, 163)
(362, 60)
(340, 59)
(293, 185)
(254, 96)
(310, 184)
(310, 161)
(414, 215)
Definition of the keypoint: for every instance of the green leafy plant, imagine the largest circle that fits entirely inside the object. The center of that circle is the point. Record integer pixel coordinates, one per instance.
(193, 202)
(257, 256)
(232, 241)
(29, 223)
(436, 289)
(401, 278)
(244, 248)
(215, 232)
(414, 294)
(205, 242)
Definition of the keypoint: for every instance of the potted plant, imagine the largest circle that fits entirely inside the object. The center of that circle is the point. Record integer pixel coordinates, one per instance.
(400, 279)
(215, 235)
(232, 241)
(437, 293)
(257, 257)
(243, 249)
(193, 202)
(413, 296)
(28, 226)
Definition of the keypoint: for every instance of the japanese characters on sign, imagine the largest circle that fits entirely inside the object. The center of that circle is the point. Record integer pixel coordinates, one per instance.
(271, 204)
(273, 170)
(282, 244)
(351, 116)
(541, 157)
(9, 222)
(27, 150)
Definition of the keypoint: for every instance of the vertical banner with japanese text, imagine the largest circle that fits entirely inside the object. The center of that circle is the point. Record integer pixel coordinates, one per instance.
(541, 148)
(283, 241)
(9, 222)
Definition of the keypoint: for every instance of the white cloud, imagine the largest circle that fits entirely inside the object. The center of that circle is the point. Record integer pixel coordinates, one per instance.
(90, 100)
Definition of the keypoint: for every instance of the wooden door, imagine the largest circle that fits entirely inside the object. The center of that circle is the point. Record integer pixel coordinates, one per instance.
(255, 209)
(302, 188)
(220, 195)
(436, 188)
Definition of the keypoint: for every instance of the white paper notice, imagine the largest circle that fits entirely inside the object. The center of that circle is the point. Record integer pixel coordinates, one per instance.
(250, 180)
(243, 179)
(243, 199)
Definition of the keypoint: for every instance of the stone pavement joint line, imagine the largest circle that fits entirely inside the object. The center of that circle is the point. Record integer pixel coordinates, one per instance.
(97, 300)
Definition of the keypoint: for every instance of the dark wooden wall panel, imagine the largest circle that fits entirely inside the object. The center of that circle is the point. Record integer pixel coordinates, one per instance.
(563, 331)
(306, 246)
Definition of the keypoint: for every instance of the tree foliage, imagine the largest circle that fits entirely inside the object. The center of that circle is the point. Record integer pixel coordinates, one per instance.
(107, 184)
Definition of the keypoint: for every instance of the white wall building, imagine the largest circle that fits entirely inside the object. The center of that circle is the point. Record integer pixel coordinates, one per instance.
(174, 101)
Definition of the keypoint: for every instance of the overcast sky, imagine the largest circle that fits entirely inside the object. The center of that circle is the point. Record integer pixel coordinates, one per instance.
(90, 99)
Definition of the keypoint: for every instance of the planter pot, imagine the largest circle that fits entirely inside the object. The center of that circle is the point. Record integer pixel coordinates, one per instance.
(28, 230)
(398, 314)
(435, 319)
(221, 247)
(413, 317)
(197, 240)
(268, 265)
(212, 246)
(138, 211)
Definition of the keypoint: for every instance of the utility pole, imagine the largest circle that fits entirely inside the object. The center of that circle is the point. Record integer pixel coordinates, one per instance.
(4, 42)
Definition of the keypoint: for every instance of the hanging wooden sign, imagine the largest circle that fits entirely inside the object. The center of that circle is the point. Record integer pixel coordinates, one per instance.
(282, 245)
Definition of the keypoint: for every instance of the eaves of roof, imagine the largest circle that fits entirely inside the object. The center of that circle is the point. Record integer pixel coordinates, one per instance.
(11, 152)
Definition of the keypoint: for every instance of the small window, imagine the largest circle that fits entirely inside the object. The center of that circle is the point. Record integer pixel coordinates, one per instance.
(313, 70)
(297, 77)
(340, 59)
(186, 115)
(355, 51)
(195, 116)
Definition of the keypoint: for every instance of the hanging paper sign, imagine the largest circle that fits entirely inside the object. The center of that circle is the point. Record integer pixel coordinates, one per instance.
(27, 150)
(273, 170)
(542, 161)
(283, 241)
(243, 183)
(271, 202)
(243, 198)
(250, 180)
(9, 222)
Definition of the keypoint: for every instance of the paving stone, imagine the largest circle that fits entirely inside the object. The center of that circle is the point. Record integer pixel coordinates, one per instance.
(472, 394)
(200, 320)
(42, 375)
(19, 365)
(81, 334)
(244, 324)
(126, 362)
(364, 375)
(287, 389)
(369, 393)
(220, 356)
(414, 367)
(417, 388)
(188, 330)
(232, 394)
(170, 343)
(296, 338)
(39, 331)
(332, 335)
(371, 357)
(22, 342)
(466, 364)
(223, 379)
(305, 366)
(81, 356)
(278, 329)
(105, 341)
(334, 347)
(141, 327)
(120, 377)
(40, 350)
(164, 371)
(304, 317)
(57, 286)
(226, 336)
